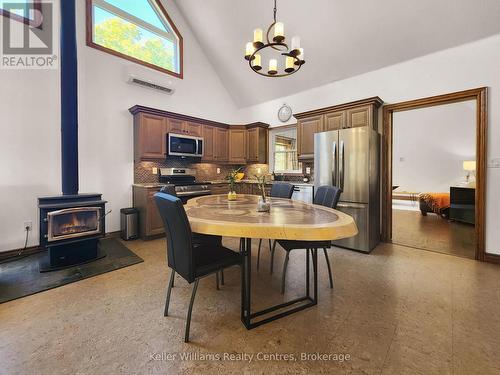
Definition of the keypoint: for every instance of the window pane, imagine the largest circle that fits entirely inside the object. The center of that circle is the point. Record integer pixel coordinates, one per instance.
(285, 151)
(122, 36)
(141, 9)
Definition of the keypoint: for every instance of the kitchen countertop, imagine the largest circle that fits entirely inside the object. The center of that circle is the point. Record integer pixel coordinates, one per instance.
(268, 182)
(152, 185)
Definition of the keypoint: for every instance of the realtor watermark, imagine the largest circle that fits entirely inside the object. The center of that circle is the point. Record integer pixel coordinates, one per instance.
(250, 357)
(29, 39)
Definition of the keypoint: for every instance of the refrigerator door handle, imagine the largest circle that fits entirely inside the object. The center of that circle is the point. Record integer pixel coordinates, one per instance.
(341, 166)
(334, 168)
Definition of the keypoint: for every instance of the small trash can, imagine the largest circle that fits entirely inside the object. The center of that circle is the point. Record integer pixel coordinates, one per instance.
(129, 223)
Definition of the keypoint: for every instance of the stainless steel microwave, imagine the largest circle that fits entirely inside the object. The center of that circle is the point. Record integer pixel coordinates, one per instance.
(184, 146)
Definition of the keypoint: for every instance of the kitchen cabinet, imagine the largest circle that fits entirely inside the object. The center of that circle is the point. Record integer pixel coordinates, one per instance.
(192, 129)
(150, 221)
(221, 145)
(361, 116)
(175, 126)
(306, 128)
(257, 145)
(335, 121)
(209, 140)
(349, 115)
(219, 188)
(237, 145)
(149, 132)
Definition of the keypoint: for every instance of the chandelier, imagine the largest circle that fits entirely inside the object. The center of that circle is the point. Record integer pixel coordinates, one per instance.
(293, 57)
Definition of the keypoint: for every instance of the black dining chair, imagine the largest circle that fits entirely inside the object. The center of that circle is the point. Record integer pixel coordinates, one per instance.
(199, 238)
(327, 196)
(191, 261)
(278, 190)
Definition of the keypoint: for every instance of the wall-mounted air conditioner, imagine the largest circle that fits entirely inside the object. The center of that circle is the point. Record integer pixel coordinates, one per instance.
(137, 80)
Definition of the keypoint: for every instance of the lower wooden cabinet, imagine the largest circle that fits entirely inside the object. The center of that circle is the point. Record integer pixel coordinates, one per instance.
(150, 222)
(219, 188)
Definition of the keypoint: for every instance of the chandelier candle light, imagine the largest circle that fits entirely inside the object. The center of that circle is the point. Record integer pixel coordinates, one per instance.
(293, 56)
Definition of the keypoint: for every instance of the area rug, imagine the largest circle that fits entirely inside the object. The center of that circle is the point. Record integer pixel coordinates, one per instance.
(22, 277)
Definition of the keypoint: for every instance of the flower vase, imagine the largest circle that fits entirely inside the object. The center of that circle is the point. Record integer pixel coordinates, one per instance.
(263, 205)
(231, 196)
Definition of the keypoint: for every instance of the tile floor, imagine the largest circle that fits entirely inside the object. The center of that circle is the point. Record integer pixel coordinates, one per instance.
(396, 311)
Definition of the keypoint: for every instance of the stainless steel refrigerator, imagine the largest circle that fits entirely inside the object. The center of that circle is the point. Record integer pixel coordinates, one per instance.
(349, 159)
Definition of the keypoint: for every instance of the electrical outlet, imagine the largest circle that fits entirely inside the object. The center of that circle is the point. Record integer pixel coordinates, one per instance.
(29, 225)
(308, 170)
(155, 170)
(494, 163)
(218, 170)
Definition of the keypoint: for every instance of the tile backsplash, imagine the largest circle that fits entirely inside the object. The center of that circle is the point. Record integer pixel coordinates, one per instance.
(143, 171)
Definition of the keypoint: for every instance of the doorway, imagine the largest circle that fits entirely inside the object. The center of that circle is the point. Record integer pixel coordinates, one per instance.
(439, 209)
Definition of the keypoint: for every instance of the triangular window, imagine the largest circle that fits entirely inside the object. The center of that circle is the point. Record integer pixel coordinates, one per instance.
(139, 30)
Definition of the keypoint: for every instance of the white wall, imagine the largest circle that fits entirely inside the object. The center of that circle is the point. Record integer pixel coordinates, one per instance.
(468, 66)
(430, 145)
(30, 127)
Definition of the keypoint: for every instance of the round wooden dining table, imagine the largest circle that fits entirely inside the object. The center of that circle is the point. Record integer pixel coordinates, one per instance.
(286, 220)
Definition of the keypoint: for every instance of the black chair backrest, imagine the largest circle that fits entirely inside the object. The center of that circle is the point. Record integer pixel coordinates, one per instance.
(327, 196)
(179, 236)
(169, 189)
(281, 190)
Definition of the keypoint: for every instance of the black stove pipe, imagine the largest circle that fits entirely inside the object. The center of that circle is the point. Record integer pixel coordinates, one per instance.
(69, 99)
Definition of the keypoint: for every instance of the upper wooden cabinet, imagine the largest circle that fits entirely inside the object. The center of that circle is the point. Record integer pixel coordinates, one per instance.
(306, 128)
(335, 121)
(185, 127)
(150, 134)
(361, 116)
(175, 126)
(257, 144)
(221, 145)
(193, 129)
(209, 139)
(343, 116)
(237, 145)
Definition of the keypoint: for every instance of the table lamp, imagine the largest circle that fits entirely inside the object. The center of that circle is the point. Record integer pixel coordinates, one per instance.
(470, 167)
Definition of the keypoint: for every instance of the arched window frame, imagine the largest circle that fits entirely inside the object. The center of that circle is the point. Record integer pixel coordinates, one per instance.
(174, 34)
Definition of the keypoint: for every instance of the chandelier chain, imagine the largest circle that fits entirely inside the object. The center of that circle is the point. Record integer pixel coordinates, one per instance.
(275, 10)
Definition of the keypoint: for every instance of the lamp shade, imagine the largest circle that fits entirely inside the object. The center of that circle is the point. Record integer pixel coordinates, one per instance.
(469, 165)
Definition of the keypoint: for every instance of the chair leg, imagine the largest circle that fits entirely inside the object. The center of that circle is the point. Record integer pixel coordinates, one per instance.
(169, 289)
(190, 310)
(258, 254)
(329, 268)
(270, 245)
(284, 272)
(222, 277)
(217, 280)
(272, 256)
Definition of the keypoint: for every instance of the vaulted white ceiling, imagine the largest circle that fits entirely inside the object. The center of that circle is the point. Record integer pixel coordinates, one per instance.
(341, 38)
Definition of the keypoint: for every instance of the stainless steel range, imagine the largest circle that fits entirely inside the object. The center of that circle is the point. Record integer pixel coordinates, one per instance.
(185, 183)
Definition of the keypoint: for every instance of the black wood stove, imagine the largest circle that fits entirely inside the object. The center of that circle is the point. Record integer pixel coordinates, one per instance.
(70, 228)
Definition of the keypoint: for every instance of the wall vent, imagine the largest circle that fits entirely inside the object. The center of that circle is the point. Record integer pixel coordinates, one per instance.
(149, 84)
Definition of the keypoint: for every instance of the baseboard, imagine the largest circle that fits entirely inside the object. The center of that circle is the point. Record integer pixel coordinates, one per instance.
(36, 249)
(15, 253)
(492, 258)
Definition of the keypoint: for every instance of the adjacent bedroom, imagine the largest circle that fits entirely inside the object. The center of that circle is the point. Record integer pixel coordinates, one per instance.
(434, 163)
